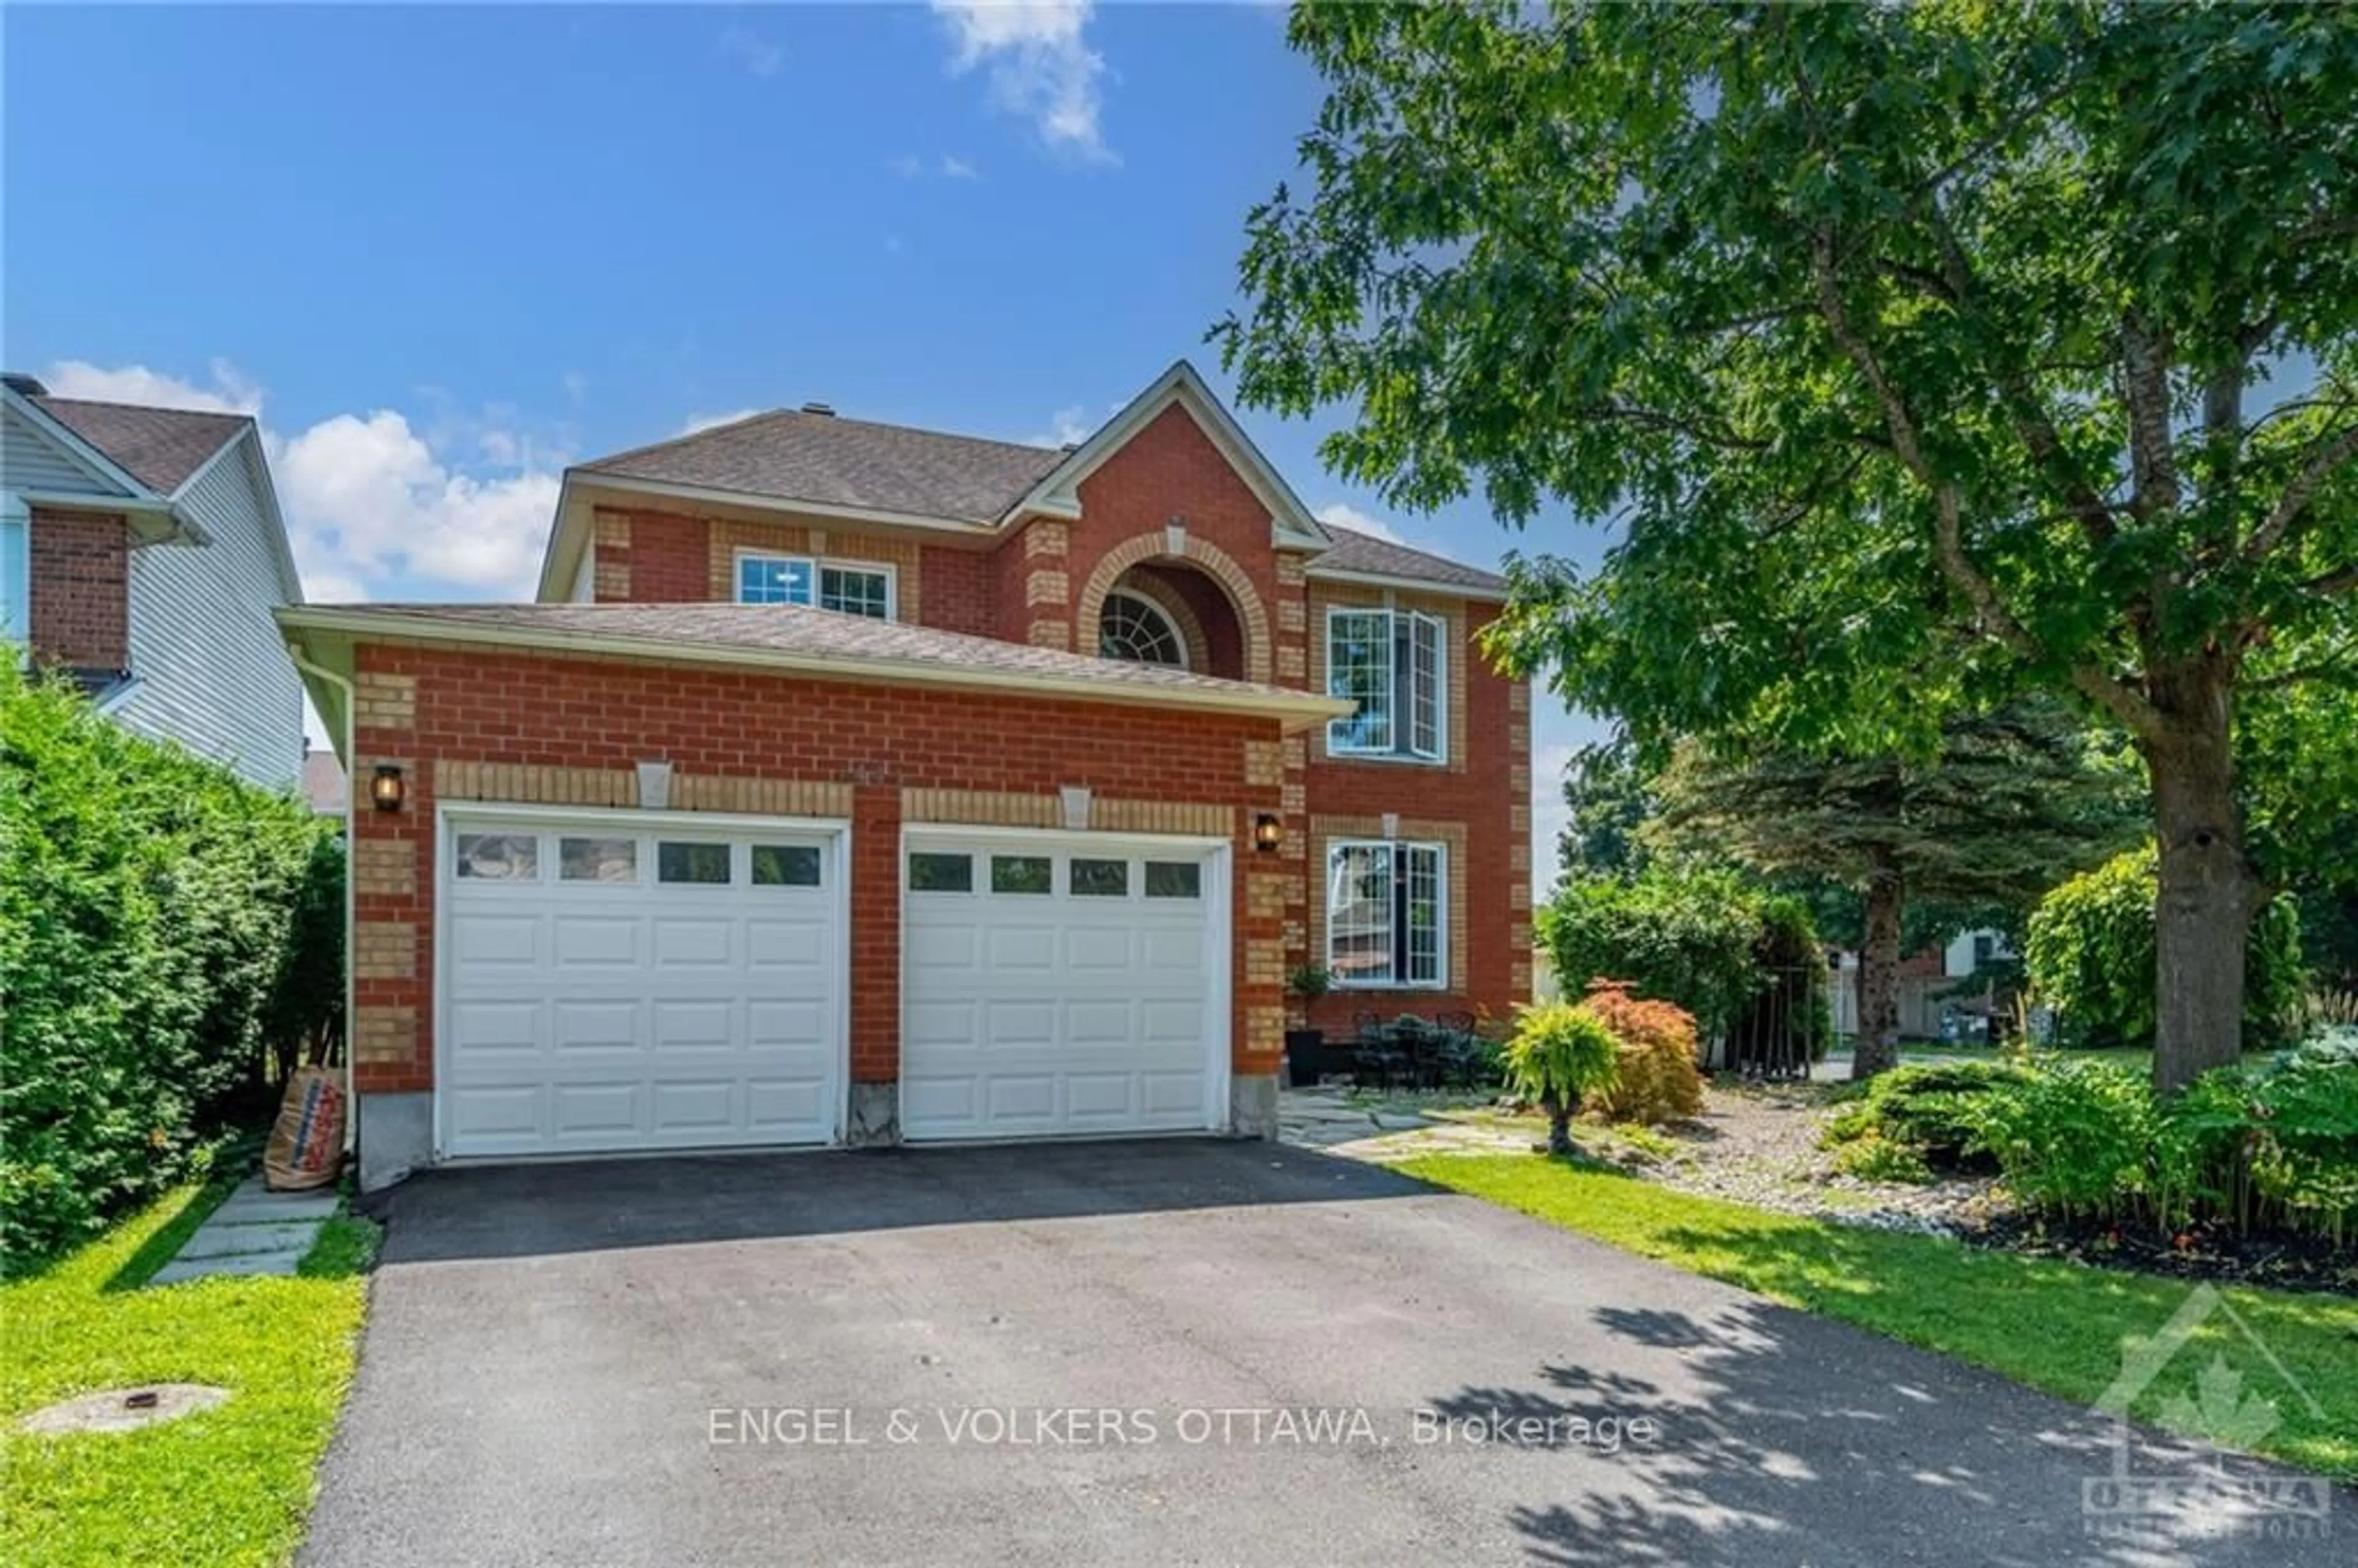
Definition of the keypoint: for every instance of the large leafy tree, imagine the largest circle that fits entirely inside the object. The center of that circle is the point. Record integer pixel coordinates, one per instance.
(2008, 804)
(1607, 797)
(1870, 332)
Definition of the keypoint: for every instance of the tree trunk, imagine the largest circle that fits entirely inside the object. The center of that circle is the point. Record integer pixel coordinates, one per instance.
(1558, 1115)
(1877, 1049)
(2202, 917)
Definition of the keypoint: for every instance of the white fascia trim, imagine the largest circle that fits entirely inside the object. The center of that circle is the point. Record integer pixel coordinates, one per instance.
(61, 434)
(1058, 494)
(1295, 712)
(1409, 585)
(151, 521)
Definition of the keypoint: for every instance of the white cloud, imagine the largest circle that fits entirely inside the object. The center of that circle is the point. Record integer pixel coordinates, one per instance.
(230, 391)
(371, 504)
(1066, 427)
(750, 49)
(368, 500)
(1549, 815)
(696, 422)
(1343, 515)
(959, 169)
(1040, 65)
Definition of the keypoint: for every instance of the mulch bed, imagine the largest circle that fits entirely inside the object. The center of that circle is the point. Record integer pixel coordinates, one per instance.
(2201, 1253)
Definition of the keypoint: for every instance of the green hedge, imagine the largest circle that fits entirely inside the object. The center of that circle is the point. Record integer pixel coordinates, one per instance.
(1735, 957)
(2090, 958)
(166, 932)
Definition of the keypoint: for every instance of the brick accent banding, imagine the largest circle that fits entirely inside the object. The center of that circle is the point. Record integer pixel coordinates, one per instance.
(384, 950)
(384, 701)
(1047, 537)
(1252, 616)
(1050, 634)
(1047, 587)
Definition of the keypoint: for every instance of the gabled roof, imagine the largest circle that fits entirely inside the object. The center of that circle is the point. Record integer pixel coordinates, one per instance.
(1357, 557)
(818, 458)
(160, 448)
(815, 644)
(1057, 495)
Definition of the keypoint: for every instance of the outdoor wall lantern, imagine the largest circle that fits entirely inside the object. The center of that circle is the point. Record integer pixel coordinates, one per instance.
(1268, 832)
(385, 789)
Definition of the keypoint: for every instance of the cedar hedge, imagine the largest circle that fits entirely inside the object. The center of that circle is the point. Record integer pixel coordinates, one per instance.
(170, 936)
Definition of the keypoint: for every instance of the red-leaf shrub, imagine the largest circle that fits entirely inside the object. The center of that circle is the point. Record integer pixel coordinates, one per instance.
(1656, 1041)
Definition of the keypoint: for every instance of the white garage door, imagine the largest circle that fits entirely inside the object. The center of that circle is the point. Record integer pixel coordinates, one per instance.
(609, 986)
(1062, 984)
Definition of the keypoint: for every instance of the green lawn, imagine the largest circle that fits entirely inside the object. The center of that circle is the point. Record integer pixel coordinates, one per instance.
(226, 1485)
(2054, 1325)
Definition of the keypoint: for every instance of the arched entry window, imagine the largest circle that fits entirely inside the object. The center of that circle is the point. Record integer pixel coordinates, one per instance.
(1135, 628)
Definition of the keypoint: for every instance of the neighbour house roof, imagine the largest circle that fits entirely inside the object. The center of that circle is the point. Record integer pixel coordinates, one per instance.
(788, 639)
(818, 458)
(160, 448)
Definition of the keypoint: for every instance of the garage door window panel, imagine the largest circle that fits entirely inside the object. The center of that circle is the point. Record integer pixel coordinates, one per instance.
(934, 872)
(498, 857)
(1175, 879)
(1023, 874)
(786, 865)
(682, 861)
(1090, 877)
(607, 861)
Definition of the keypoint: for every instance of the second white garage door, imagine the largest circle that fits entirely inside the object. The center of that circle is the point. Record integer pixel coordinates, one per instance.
(1058, 983)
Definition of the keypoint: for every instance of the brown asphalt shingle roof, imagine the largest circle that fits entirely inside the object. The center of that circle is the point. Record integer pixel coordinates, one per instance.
(160, 448)
(1364, 553)
(834, 462)
(801, 631)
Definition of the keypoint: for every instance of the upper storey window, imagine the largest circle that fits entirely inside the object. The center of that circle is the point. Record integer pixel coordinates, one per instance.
(1135, 628)
(854, 587)
(1393, 664)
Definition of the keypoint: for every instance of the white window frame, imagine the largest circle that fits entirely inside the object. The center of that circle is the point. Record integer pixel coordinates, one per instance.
(1400, 849)
(1170, 626)
(819, 564)
(1401, 698)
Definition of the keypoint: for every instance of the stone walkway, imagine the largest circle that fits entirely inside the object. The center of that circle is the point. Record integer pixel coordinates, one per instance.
(258, 1231)
(1327, 1119)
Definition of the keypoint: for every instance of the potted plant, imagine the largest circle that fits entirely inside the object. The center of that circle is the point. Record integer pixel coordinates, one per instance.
(1305, 1048)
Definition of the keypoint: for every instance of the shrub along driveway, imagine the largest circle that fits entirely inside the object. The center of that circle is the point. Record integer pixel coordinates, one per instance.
(1064, 1326)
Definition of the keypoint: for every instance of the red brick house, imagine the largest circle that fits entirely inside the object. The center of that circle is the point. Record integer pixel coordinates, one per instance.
(851, 783)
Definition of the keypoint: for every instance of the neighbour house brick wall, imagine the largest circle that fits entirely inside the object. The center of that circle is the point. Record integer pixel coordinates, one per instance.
(80, 566)
(526, 726)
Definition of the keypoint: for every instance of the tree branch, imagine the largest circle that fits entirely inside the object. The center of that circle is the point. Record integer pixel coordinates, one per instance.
(2326, 454)
(2332, 582)
(2145, 387)
(2116, 697)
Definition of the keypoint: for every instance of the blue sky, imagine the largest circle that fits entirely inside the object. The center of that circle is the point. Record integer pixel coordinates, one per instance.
(444, 251)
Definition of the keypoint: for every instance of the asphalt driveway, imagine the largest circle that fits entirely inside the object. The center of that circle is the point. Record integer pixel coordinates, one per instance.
(1154, 1352)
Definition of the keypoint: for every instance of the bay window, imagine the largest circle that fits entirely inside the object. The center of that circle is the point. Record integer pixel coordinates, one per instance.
(1385, 918)
(1392, 664)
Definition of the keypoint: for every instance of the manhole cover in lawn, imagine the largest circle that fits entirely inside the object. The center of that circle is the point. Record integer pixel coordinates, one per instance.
(121, 1409)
